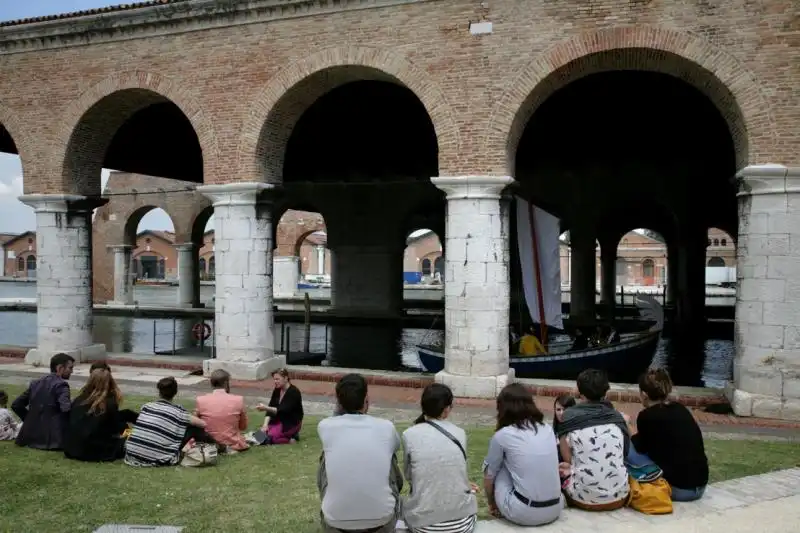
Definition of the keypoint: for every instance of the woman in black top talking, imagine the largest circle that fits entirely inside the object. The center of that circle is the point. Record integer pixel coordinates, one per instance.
(668, 434)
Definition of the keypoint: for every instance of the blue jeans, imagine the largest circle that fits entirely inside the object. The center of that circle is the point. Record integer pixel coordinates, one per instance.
(637, 459)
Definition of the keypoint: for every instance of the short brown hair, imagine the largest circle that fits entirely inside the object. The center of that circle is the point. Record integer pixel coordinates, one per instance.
(281, 372)
(515, 407)
(656, 384)
(219, 378)
(167, 388)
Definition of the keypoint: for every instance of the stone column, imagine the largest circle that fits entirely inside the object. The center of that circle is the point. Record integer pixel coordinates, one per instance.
(608, 279)
(188, 277)
(366, 277)
(766, 372)
(123, 277)
(672, 273)
(243, 318)
(64, 277)
(286, 275)
(583, 281)
(477, 285)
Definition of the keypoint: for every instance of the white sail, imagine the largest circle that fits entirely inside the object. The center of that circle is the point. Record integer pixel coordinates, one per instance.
(546, 302)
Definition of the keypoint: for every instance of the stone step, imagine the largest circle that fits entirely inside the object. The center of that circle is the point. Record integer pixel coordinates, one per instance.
(780, 489)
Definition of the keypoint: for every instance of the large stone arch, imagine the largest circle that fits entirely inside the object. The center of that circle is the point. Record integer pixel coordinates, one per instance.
(716, 73)
(10, 120)
(146, 88)
(289, 93)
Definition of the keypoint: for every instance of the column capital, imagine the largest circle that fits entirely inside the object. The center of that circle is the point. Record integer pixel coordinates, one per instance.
(120, 248)
(769, 178)
(232, 194)
(184, 246)
(61, 203)
(473, 187)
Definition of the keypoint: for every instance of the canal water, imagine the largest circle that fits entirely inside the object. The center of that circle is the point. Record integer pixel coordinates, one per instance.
(148, 336)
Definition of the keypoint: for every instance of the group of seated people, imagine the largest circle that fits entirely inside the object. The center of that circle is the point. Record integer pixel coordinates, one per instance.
(530, 471)
(531, 468)
(93, 427)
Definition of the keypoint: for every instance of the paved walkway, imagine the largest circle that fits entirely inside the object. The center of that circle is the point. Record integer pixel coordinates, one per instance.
(393, 403)
(768, 503)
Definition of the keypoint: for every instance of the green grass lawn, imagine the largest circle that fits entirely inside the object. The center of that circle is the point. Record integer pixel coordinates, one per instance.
(264, 489)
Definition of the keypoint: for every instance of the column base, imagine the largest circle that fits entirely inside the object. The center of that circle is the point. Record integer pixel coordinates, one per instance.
(761, 405)
(246, 370)
(87, 354)
(475, 386)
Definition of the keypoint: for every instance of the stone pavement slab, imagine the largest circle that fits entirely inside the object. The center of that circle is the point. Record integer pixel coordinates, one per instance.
(767, 502)
(123, 528)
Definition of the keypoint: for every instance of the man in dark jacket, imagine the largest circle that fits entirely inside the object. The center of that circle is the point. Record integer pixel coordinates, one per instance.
(44, 407)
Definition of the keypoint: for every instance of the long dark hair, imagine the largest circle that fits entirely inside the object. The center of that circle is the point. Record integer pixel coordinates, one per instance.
(515, 407)
(565, 401)
(435, 399)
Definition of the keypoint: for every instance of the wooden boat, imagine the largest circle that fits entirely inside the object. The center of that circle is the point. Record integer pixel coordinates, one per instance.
(623, 361)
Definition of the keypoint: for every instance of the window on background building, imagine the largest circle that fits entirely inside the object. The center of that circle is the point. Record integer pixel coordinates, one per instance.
(438, 265)
(202, 265)
(426, 266)
(709, 242)
(648, 268)
(31, 262)
(716, 262)
(21, 264)
(724, 242)
(716, 242)
(211, 266)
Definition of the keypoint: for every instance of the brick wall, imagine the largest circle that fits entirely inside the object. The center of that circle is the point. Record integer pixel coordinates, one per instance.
(19, 255)
(233, 81)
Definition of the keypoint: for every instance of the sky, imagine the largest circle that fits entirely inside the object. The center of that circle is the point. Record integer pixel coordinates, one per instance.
(16, 217)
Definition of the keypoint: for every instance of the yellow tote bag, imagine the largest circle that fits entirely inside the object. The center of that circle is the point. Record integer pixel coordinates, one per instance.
(652, 497)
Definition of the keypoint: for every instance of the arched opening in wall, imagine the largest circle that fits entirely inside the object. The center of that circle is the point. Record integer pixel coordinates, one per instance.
(131, 130)
(423, 258)
(204, 240)
(18, 221)
(642, 261)
(348, 123)
(615, 134)
(151, 233)
(302, 257)
(720, 259)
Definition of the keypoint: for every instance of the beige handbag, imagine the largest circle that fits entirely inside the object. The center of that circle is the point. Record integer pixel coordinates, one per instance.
(200, 454)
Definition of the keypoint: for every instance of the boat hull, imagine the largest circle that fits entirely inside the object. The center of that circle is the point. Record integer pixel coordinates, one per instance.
(623, 362)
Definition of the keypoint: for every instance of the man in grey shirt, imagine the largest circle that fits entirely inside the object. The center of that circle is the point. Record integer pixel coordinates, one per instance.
(358, 478)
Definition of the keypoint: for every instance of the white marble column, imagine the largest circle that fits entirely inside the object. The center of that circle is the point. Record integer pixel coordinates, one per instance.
(477, 285)
(64, 278)
(187, 274)
(244, 337)
(767, 362)
(123, 278)
(286, 275)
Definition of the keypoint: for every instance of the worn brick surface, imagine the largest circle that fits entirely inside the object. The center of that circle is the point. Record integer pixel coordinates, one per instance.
(244, 85)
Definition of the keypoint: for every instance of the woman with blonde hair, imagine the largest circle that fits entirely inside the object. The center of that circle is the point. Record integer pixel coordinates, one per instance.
(96, 422)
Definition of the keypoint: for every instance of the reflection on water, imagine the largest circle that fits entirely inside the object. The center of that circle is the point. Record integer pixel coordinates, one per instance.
(347, 346)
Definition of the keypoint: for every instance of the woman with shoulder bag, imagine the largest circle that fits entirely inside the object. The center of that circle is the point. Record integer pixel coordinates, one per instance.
(442, 499)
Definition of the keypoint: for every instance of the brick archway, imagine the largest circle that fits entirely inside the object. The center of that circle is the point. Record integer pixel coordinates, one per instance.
(693, 59)
(97, 104)
(273, 115)
(15, 128)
